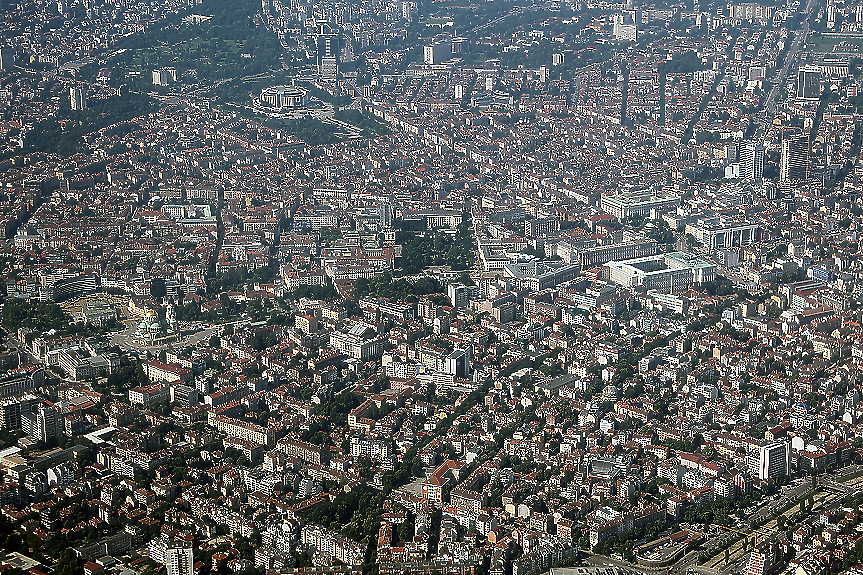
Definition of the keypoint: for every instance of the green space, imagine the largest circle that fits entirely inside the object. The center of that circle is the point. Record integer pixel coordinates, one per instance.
(419, 252)
(824, 44)
(312, 131)
(44, 316)
(229, 45)
(369, 126)
(384, 286)
(64, 133)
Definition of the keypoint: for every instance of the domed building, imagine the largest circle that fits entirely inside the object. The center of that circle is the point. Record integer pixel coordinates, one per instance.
(154, 330)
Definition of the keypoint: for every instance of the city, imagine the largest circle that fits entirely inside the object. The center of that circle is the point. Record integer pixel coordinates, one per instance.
(502, 287)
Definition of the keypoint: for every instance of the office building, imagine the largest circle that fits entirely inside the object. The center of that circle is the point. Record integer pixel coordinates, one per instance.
(438, 51)
(460, 295)
(457, 363)
(7, 58)
(794, 162)
(283, 97)
(11, 409)
(77, 98)
(161, 78)
(385, 212)
(541, 227)
(625, 26)
(809, 83)
(665, 273)
(327, 43)
(774, 460)
(752, 161)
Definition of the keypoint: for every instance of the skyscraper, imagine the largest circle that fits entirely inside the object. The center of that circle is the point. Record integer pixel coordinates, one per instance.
(752, 161)
(7, 58)
(385, 213)
(327, 41)
(77, 98)
(794, 163)
(440, 50)
(774, 460)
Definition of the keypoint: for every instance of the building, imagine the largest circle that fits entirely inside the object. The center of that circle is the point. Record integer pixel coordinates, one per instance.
(766, 558)
(242, 429)
(180, 560)
(752, 161)
(541, 227)
(161, 78)
(433, 488)
(665, 273)
(283, 97)
(440, 50)
(156, 371)
(457, 363)
(377, 450)
(11, 409)
(80, 365)
(325, 546)
(460, 295)
(719, 233)
(73, 287)
(794, 162)
(60, 475)
(749, 11)
(146, 396)
(625, 26)
(327, 44)
(7, 58)
(809, 83)
(774, 460)
(21, 380)
(305, 451)
(626, 204)
(97, 312)
(43, 424)
(599, 255)
(385, 213)
(77, 98)
(356, 345)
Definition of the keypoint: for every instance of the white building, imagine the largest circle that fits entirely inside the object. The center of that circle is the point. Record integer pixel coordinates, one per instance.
(665, 273)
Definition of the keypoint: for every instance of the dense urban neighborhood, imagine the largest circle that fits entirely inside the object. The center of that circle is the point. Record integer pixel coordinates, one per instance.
(431, 287)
